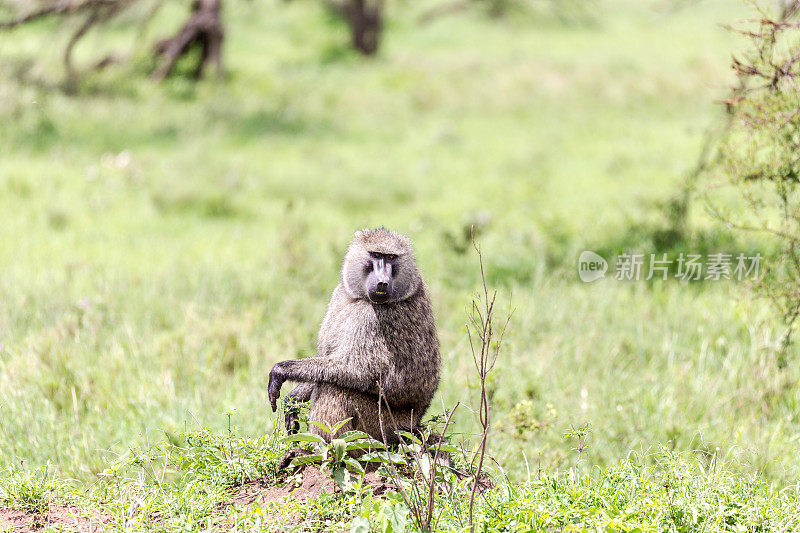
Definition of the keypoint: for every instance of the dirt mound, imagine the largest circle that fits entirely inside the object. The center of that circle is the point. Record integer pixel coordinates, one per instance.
(310, 482)
(70, 519)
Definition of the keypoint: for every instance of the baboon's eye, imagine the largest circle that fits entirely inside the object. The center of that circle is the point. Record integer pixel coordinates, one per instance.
(376, 255)
(390, 257)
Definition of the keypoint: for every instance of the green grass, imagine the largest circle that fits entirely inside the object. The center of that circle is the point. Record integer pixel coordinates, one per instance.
(189, 483)
(161, 246)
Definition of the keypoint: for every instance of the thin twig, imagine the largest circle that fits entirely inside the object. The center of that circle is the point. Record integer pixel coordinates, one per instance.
(485, 356)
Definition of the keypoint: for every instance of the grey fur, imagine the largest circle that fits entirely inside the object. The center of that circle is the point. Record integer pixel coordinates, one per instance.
(362, 343)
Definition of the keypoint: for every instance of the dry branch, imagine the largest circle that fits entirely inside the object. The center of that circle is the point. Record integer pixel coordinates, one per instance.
(59, 8)
(204, 27)
(484, 343)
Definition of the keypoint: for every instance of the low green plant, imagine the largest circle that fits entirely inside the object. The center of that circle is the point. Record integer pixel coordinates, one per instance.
(32, 490)
(580, 437)
(334, 454)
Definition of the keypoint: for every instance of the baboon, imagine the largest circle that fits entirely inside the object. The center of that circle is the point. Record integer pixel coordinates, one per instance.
(377, 335)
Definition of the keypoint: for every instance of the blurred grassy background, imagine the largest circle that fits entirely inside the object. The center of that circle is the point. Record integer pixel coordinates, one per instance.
(162, 245)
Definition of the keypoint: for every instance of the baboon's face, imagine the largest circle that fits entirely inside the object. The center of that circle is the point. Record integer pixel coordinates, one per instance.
(379, 282)
(380, 267)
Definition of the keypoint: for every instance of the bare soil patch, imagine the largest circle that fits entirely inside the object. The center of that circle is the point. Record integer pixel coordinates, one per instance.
(69, 518)
(310, 482)
(307, 482)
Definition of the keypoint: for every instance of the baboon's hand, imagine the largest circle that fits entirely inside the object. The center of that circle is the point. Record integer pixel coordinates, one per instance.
(276, 378)
(292, 419)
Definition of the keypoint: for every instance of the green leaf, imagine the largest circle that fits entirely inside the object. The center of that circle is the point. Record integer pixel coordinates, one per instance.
(354, 465)
(339, 449)
(304, 437)
(305, 459)
(353, 435)
(395, 517)
(339, 476)
(339, 425)
(383, 457)
(425, 462)
(321, 426)
(370, 444)
(410, 436)
(445, 447)
(359, 525)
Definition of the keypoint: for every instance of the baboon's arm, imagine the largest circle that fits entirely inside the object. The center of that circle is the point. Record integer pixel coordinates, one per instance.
(335, 370)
